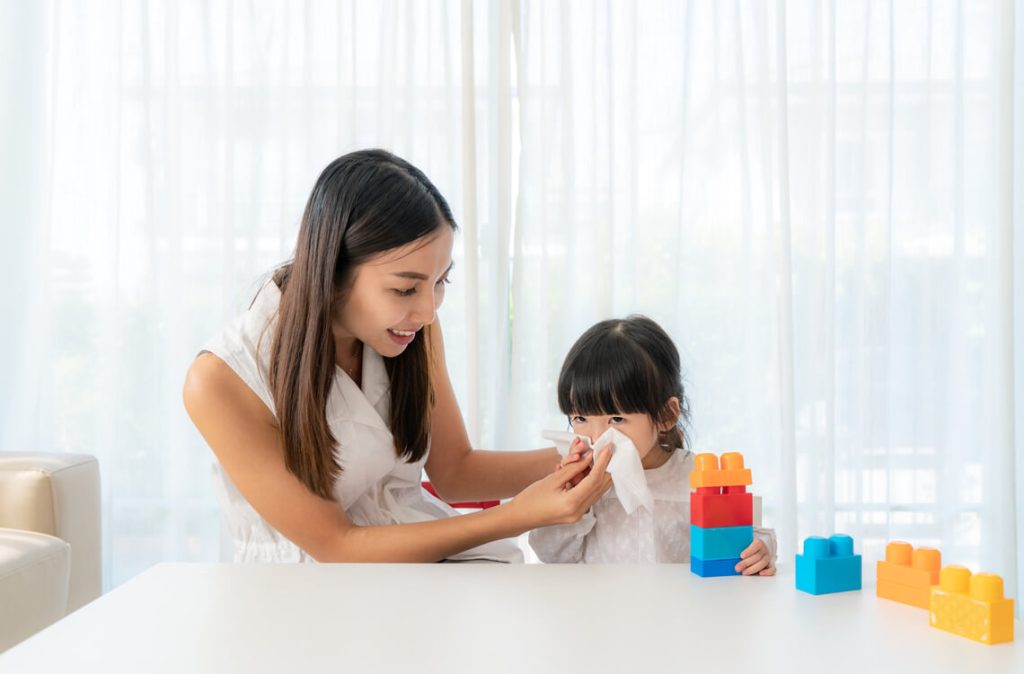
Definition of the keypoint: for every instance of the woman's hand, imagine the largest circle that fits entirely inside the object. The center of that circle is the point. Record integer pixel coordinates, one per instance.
(756, 559)
(566, 494)
(577, 451)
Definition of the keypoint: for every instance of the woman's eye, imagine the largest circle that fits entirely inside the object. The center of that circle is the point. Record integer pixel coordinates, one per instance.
(406, 292)
(616, 420)
(444, 281)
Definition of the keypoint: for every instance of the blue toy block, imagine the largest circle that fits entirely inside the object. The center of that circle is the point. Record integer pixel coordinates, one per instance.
(708, 568)
(719, 542)
(828, 565)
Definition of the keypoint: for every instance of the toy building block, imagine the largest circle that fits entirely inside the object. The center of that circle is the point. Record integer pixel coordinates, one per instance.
(971, 606)
(828, 565)
(709, 568)
(721, 514)
(719, 542)
(732, 474)
(907, 575)
(709, 507)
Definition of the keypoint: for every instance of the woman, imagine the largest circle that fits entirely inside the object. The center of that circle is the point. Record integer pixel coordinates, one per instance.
(326, 399)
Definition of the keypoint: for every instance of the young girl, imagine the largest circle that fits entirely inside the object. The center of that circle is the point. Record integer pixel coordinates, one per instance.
(625, 374)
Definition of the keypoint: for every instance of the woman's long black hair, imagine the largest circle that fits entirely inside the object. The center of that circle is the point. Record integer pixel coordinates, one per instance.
(363, 204)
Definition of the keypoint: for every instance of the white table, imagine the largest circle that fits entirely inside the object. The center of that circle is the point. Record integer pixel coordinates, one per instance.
(491, 618)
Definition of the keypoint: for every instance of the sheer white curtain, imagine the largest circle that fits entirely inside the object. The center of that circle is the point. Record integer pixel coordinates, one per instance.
(159, 155)
(814, 198)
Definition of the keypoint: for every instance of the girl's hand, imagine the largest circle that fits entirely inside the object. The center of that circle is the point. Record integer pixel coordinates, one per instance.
(566, 494)
(756, 559)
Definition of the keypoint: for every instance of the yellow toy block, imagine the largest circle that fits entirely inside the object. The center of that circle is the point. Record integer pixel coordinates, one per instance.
(972, 606)
(906, 575)
(706, 472)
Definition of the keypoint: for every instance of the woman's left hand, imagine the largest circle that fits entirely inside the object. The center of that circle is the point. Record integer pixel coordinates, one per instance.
(756, 559)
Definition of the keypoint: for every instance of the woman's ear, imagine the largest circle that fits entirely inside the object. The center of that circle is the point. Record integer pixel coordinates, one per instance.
(670, 414)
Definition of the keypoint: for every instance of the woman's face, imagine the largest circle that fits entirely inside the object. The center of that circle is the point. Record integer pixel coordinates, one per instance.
(395, 294)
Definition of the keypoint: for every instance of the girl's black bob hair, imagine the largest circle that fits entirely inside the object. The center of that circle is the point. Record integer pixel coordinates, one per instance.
(626, 366)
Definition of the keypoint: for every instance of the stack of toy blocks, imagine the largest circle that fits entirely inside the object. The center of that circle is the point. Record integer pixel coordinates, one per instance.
(721, 514)
(907, 575)
(828, 565)
(971, 606)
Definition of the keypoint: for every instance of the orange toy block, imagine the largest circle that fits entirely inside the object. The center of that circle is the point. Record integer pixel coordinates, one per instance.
(706, 471)
(905, 594)
(971, 606)
(907, 575)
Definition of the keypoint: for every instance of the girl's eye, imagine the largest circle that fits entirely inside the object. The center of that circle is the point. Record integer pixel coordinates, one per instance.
(444, 281)
(616, 420)
(578, 420)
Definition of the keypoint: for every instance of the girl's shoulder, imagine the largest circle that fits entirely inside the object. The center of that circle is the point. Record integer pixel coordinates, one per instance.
(680, 461)
(671, 480)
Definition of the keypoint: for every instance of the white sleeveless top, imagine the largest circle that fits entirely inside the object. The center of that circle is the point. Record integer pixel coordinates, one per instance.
(375, 487)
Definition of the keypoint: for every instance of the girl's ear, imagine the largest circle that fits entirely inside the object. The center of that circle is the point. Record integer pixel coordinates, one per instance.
(670, 414)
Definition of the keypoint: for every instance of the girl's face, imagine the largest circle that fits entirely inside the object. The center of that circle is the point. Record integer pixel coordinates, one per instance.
(394, 295)
(639, 428)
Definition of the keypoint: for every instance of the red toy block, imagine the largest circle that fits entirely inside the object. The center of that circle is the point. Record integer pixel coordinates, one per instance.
(711, 510)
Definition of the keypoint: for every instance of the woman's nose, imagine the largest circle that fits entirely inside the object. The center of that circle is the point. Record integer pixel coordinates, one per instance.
(426, 309)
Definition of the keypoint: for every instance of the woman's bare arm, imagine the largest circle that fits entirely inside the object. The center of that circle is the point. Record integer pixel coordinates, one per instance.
(457, 471)
(243, 435)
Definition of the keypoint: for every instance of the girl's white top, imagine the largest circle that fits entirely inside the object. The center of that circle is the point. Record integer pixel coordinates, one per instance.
(607, 534)
(375, 487)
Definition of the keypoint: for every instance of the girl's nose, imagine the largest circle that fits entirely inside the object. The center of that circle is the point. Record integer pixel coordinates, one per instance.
(589, 432)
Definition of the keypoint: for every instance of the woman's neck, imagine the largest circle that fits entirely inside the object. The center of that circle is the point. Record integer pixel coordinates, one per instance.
(348, 354)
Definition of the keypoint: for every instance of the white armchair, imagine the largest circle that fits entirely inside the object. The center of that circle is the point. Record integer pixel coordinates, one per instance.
(49, 539)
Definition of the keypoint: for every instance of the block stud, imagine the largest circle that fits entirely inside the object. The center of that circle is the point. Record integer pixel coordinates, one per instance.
(816, 547)
(927, 559)
(840, 545)
(732, 461)
(986, 587)
(705, 461)
(955, 579)
(898, 552)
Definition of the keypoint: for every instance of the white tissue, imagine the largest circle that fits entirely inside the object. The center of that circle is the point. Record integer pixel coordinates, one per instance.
(625, 468)
(563, 440)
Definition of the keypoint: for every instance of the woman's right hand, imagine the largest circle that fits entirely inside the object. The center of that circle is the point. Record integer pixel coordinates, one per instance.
(578, 450)
(566, 494)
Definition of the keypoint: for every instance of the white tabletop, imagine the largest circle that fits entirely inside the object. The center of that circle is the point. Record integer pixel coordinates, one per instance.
(491, 618)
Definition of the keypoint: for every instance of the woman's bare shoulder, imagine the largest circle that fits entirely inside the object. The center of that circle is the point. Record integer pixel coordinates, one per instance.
(211, 383)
